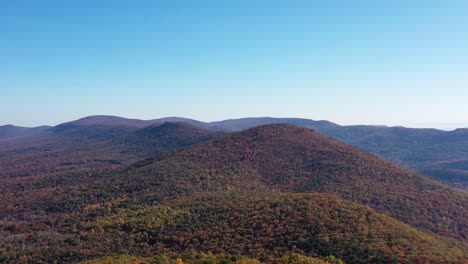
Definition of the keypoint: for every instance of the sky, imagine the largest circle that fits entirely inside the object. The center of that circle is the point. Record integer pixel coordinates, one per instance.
(351, 62)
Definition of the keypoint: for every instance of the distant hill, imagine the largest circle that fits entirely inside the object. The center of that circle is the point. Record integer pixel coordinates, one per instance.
(245, 123)
(97, 128)
(181, 120)
(10, 131)
(106, 120)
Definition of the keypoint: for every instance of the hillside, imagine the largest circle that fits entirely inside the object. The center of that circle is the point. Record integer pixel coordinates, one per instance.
(429, 151)
(39, 178)
(80, 146)
(263, 226)
(161, 137)
(294, 159)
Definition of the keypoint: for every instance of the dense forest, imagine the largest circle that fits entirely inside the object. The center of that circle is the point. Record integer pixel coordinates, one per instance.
(95, 192)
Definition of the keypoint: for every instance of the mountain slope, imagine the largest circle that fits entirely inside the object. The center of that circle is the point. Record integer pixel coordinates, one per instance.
(294, 159)
(78, 146)
(257, 225)
(162, 137)
(272, 225)
(427, 151)
(432, 152)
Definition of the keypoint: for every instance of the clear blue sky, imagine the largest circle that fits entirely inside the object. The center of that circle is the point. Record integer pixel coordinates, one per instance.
(351, 62)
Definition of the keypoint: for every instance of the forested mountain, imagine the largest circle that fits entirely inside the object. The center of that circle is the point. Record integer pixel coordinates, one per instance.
(294, 159)
(441, 155)
(158, 138)
(110, 121)
(276, 193)
(261, 226)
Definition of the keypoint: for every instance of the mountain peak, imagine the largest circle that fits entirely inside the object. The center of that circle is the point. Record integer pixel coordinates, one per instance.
(109, 120)
(101, 121)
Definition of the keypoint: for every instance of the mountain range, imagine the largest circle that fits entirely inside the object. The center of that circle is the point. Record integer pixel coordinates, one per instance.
(440, 155)
(106, 189)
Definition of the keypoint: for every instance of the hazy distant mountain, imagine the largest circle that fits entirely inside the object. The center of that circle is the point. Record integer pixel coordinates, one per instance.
(10, 131)
(183, 120)
(106, 120)
(245, 123)
(116, 124)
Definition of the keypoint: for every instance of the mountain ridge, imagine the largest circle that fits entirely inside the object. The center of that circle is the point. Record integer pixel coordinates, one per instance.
(426, 151)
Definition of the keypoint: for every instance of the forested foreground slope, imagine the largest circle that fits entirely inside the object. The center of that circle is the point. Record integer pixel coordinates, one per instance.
(262, 226)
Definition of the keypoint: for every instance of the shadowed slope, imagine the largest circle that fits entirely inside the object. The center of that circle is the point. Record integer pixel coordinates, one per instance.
(167, 136)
